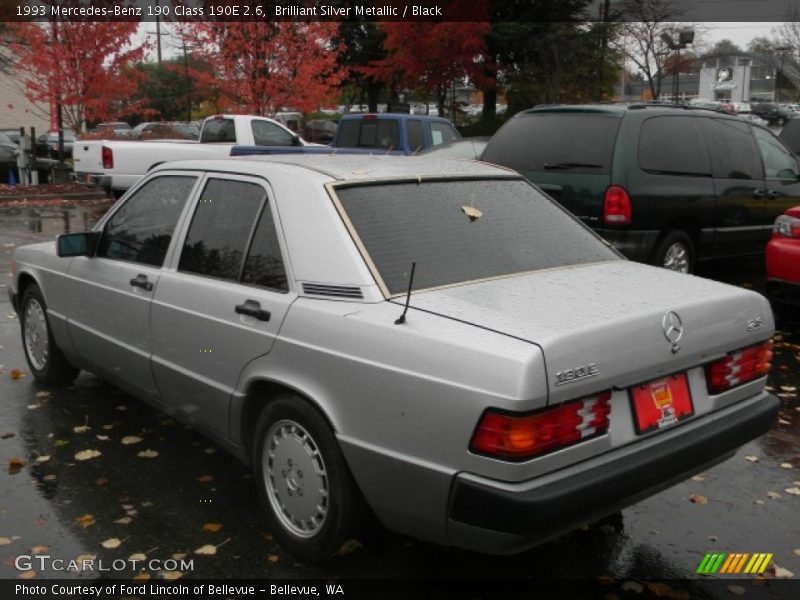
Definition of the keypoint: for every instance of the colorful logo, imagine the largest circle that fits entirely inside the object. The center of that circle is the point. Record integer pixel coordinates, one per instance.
(734, 563)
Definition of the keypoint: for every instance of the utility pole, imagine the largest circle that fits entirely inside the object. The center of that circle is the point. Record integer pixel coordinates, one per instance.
(186, 49)
(157, 32)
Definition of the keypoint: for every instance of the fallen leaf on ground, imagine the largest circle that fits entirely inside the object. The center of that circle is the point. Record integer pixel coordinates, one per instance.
(5, 541)
(15, 465)
(16, 374)
(147, 454)
(698, 499)
(124, 520)
(87, 454)
(780, 572)
(81, 429)
(273, 558)
(141, 577)
(632, 586)
(39, 549)
(138, 556)
(59, 443)
(349, 547)
(773, 495)
(794, 491)
(131, 439)
(179, 556)
(34, 406)
(787, 466)
(27, 575)
(171, 575)
(205, 479)
(85, 521)
(43, 394)
(751, 458)
(101, 481)
(111, 543)
(212, 527)
(736, 589)
(208, 549)
(102, 438)
(49, 478)
(796, 551)
(43, 458)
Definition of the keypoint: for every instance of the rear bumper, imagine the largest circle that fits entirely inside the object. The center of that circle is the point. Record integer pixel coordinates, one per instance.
(500, 518)
(95, 179)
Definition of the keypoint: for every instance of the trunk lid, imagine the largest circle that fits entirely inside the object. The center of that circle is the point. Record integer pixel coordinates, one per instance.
(605, 321)
(87, 156)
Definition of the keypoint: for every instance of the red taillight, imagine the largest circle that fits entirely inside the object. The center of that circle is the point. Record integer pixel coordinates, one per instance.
(787, 226)
(520, 437)
(616, 206)
(739, 367)
(108, 158)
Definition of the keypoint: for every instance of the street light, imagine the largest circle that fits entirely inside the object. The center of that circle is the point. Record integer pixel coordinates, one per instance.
(685, 37)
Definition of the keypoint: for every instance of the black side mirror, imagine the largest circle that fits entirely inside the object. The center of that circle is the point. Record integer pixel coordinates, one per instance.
(77, 244)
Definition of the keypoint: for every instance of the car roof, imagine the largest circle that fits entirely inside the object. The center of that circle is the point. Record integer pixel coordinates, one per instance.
(619, 109)
(392, 116)
(350, 167)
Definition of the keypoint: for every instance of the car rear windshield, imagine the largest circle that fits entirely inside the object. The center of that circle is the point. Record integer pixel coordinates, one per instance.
(560, 141)
(464, 230)
(369, 133)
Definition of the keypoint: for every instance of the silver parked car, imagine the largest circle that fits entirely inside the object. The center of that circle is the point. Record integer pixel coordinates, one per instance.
(434, 339)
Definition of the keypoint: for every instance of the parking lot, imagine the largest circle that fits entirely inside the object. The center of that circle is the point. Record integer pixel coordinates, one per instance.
(159, 489)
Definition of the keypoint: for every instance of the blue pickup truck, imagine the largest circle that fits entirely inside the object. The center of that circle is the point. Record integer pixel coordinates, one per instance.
(384, 133)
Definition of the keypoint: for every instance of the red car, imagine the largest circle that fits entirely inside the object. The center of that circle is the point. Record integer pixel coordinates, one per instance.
(783, 258)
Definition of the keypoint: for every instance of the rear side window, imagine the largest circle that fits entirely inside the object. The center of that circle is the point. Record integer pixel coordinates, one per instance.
(673, 146)
(734, 154)
(264, 264)
(383, 134)
(416, 139)
(221, 228)
(141, 230)
(219, 130)
(270, 134)
(514, 229)
(567, 141)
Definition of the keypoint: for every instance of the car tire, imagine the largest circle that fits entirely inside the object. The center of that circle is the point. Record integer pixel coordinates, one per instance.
(675, 251)
(45, 360)
(303, 480)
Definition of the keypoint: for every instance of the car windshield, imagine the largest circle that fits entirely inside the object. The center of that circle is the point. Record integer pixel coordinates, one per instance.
(464, 230)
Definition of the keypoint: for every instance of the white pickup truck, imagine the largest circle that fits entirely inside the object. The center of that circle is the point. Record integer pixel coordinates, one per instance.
(118, 164)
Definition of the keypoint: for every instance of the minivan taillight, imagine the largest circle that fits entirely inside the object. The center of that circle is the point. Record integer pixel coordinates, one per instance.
(616, 206)
(787, 226)
(739, 367)
(517, 437)
(108, 157)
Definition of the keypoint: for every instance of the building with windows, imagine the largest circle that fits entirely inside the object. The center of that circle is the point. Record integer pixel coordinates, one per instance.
(746, 77)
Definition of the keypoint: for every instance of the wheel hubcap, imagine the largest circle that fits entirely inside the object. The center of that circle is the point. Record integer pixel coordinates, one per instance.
(677, 258)
(37, 344)
(295, 478)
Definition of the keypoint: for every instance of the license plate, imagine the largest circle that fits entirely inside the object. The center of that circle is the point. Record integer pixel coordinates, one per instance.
(661, 403)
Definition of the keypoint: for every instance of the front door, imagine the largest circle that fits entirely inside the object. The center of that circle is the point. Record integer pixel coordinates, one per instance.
(109, 294)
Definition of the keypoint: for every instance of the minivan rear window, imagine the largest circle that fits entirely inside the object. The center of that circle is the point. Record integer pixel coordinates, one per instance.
(559, 141)
(513, 228)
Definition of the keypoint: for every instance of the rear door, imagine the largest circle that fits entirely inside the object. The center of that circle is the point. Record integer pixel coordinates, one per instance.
(739, 186)
(222, 302)
(109, 294)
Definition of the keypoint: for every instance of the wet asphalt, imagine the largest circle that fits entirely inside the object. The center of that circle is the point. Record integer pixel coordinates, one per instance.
(185, 493)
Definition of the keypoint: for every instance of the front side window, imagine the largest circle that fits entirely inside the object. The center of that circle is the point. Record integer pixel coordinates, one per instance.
(464, 230)
(779, 163)
(221, 227)
(270, 134)
(141, 230)
(443, 133)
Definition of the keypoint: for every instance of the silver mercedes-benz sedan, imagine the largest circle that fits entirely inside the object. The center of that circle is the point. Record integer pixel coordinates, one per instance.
(436, 342)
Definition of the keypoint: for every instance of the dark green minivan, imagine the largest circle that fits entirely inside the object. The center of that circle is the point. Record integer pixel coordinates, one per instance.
(667, 185)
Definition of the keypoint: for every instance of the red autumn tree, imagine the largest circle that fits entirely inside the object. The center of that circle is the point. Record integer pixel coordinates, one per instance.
(84, 66)
(263, 66)
(429, 56)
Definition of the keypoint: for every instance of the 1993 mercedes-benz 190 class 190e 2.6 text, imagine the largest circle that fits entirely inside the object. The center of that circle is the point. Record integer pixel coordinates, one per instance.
(436, 340)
